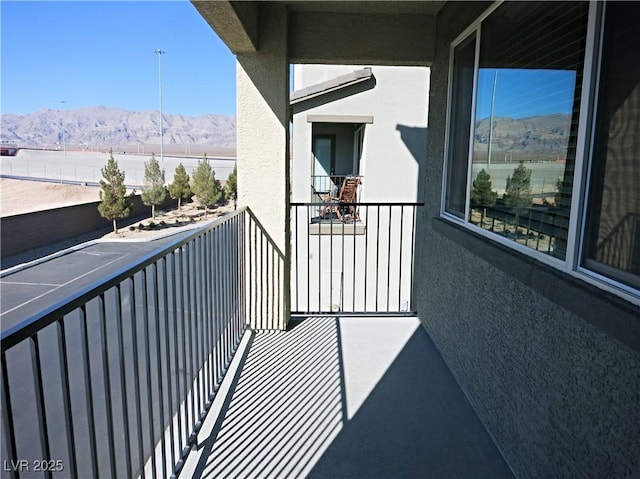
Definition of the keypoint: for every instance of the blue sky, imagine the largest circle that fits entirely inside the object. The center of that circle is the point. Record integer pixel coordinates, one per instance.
(522, 93)
(92, 53)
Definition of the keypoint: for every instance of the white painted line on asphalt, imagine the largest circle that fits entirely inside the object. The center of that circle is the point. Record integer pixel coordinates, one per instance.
(28, 284)
(62, 285)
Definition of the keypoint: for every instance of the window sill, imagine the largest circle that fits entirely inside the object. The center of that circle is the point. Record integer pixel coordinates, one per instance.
(611, 314)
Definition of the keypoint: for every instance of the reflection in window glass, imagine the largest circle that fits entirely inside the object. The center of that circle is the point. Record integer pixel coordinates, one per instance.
(612, 236)
(528, 95)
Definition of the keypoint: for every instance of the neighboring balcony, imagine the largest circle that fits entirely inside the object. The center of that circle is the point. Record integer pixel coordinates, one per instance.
(177, 365)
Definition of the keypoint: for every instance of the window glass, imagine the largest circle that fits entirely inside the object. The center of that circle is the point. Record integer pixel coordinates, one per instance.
(526, 122)
(612, 234)
(460, 126)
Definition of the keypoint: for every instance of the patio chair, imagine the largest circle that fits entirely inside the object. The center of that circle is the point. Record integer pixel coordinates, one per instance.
(347, 197)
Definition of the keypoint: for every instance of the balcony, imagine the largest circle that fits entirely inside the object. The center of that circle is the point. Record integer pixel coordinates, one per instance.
(174, 366)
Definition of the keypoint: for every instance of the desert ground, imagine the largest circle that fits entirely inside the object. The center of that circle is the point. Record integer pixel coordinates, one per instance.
(24, 196)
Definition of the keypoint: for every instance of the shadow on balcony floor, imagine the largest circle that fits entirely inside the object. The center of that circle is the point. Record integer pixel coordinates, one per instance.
(347, 398)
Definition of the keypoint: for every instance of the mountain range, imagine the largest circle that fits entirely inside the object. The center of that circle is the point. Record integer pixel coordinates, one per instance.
(100, 126)
(114, 127)
(536, 133)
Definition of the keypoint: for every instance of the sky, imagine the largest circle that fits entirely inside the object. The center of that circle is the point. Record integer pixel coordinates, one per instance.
(90, 53)
(522, 93)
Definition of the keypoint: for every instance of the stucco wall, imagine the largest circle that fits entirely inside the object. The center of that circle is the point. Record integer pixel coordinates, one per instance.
(23, 232)
(560, 396)
(263, 147)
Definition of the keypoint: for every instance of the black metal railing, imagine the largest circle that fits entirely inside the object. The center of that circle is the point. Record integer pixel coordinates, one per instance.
(543, 228)
(620, 249)
(324, 185)
(357, 262)
(115, 380)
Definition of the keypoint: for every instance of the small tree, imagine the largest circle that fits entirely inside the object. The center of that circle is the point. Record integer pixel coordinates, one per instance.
(180, 188)
(481, 193)
(114, 203)
(232, 186)
(518, 188)
(153, 190)
(205, 186)
(517, 191)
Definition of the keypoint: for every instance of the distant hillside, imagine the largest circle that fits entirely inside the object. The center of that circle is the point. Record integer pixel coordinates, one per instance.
(101, 126)
(538, 133)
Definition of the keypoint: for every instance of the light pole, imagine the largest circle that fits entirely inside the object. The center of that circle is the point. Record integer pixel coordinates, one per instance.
(64, 143)
(160, 52)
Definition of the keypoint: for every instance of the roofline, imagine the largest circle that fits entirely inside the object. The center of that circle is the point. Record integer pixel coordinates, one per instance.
(337, 83)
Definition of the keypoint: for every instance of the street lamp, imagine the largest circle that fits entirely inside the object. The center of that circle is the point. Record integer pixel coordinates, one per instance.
(160, 53)
(64, 143)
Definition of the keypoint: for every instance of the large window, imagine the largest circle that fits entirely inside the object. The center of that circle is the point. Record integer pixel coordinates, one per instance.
(525, 165)
(612, 237)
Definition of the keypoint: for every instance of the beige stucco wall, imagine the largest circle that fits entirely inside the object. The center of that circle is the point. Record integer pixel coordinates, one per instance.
(262, 147)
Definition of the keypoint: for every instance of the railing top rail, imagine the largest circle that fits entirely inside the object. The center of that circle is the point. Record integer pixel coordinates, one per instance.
(47, 316)
(345, 175)
(368, 203)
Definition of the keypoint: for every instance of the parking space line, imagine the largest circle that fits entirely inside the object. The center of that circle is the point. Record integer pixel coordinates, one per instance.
(64, 284)
(28, 284)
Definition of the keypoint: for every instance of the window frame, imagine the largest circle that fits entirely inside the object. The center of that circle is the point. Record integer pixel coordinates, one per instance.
(584, 155)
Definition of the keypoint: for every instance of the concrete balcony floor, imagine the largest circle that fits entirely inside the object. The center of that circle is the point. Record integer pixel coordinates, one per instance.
(343, 398)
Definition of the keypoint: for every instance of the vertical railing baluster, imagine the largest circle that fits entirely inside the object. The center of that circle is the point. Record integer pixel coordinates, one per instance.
(251, 272)
(197, 292)
(320, 265)
(184, 308)
(331, 264)
(156, 320)
(225, 294)
(147, 359)
(176, 356)
(191, 257)
(366, 256)
(353, 223)
(353, 271)
(41, 412)
(218, 310)
(308, 251)
(7, 416)
(123, 379)
(167, 347)
(204, 290)
(242, 221)
(66, 398)
(400, 246)
(271, 278)
(209, 286)
(389, 260)
(264, 278)
(377, 256)
(297, 258)
(107, 383)
(86, 364)
(413, 252)
(228, 286)
(136, 374)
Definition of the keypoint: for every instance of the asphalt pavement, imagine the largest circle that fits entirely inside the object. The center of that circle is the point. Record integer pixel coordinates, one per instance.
(32, 289)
